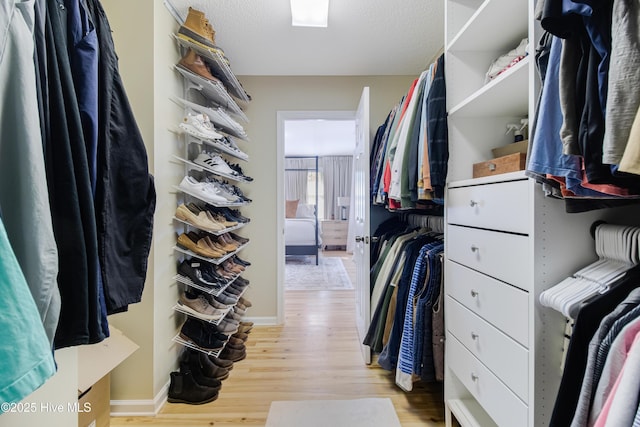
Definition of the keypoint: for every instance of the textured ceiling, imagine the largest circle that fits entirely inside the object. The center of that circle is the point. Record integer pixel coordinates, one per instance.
(364, 37)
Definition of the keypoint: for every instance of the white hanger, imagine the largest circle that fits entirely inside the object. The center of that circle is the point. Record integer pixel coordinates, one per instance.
(618, 250)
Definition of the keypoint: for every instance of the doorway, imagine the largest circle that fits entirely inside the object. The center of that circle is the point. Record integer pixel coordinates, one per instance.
(305, 138)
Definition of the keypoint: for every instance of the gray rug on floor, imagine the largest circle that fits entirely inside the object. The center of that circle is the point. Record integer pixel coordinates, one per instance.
(372, 412)
(302, 274)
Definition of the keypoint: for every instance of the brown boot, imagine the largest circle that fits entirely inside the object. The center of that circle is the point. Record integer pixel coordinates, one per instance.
(196, 29)
(194, 63)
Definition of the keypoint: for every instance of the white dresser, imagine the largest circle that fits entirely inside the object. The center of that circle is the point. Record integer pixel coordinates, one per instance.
(506, 243)
(334, 233)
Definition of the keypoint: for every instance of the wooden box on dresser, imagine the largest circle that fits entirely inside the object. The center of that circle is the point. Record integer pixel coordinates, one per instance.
(505, 241)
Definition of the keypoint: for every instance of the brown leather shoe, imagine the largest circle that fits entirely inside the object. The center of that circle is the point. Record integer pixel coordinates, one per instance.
(193, 62)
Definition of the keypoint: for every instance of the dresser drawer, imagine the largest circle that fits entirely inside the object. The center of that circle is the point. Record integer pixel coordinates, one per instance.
(503, 256)
(507, 359)
(497, 400)
(499, 206)
(502, 305)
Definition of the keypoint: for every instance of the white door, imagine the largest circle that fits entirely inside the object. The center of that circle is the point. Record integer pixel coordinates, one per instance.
(361, 212)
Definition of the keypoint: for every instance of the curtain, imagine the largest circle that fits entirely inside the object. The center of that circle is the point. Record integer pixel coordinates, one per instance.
(337, 174)
(295, 181)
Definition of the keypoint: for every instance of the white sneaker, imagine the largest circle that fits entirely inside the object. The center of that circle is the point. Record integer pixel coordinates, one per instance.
(204, 190)
(223, 192)
(199, 126)
(215, 163)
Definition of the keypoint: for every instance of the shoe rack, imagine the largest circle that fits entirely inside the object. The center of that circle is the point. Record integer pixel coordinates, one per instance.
(219, 100)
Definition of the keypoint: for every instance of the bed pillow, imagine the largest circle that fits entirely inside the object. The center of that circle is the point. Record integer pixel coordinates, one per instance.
(291, 207)
(305, 211)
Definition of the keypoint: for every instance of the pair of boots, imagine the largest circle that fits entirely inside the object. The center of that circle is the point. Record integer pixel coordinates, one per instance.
(199, 380)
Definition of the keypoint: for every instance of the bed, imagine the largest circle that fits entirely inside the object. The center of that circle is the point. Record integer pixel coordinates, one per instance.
(301, 231)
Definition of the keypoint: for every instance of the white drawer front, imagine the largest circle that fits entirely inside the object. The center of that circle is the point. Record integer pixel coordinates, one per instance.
(500, 206)
(501, 255)
(500, 403)
(502, 305)
(507, 359)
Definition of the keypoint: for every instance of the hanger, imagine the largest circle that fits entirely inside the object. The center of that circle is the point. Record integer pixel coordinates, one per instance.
(617, 247)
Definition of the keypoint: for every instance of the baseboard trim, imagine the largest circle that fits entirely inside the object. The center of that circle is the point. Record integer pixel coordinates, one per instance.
(262, 321)
(142, 407)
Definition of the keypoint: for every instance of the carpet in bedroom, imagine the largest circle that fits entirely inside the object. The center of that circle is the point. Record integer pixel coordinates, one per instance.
(302, 274)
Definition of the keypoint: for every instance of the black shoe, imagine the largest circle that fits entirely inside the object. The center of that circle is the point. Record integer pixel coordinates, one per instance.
(234, 355)
(222, 362)
(210, 369)
(242, 262)
(197, 276)
(193, 365)
(184, 389)
(200, 334)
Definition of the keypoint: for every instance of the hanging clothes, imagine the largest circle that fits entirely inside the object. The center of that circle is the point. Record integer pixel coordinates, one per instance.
(27, 359)
(24, 199)
(411, 149)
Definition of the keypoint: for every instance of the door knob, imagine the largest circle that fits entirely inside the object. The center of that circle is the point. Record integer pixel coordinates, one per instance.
(359, 239)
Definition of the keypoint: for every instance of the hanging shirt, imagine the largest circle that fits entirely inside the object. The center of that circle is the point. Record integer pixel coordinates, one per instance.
(27, 359)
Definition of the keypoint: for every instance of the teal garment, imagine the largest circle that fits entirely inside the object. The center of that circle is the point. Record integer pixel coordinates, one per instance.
(27, 358)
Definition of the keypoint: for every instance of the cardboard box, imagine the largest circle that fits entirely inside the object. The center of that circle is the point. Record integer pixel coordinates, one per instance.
(515, 147)
(94, 407)
(511, 163)
(95, 362)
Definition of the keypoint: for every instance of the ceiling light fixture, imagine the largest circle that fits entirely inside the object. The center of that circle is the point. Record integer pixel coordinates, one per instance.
(309, 13)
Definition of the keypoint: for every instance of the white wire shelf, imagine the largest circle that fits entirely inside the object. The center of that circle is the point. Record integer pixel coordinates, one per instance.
(220, 67)
(215, 233)
(216, 145)
(179, 308)
(212, 90)
(218, 117)
(216, 261)
(211, 291)
(192, 345)
(211, 202)
(204, 168)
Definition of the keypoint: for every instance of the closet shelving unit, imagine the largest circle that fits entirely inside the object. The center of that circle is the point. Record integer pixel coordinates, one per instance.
(506, 242)
(220, 101)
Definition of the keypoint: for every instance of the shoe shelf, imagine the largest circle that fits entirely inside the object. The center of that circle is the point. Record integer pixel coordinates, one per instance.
(219, 66)
(211, 202)
(211, 291)
(222, 148)
(215, 233)
(204, 168)
(216, 261)
(192, 345)
(218, 117)
(214, 91)
(216, 145)
(179, 309)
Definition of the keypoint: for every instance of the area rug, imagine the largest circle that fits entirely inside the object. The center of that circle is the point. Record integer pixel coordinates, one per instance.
(371, 412)
(302, 274)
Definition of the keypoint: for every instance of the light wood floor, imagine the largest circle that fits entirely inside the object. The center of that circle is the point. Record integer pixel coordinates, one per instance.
(315, 355)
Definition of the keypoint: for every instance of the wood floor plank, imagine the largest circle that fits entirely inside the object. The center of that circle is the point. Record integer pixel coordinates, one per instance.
(315, 355)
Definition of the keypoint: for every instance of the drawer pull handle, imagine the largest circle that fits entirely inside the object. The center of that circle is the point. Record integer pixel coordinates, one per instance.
(492, 166)
(474, 293)
(474, 377)
(474, 336)
(474, 248)
(473, 203)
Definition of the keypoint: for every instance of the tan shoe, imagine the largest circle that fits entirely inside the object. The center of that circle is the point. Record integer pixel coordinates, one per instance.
(198, 30)
(214, 245)
(199, 247)
(200, 220)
